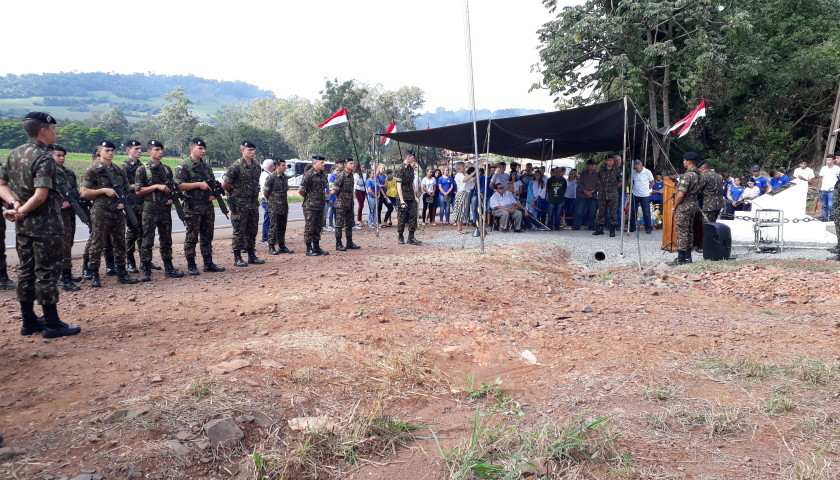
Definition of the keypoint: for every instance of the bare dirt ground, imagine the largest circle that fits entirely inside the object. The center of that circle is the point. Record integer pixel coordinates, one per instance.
(723, 371)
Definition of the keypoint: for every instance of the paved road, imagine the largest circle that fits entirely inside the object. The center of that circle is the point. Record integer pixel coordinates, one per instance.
(82, 234)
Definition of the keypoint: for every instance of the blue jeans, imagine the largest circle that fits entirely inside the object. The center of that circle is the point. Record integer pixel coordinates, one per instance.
(473, 208)
(266, 221)
(371, 201)
(645, 203)
(586, 210)
(552, 220)
(445, 207)
(827, 200)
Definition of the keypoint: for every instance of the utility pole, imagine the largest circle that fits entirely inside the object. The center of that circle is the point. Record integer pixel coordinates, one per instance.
(835, 124)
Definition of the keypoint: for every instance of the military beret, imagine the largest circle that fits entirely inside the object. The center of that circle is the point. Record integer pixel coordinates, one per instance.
(106, 144)
(198, 141)
(340, 161)
(590, 162)
(702, 163)
(755, 168)
(409, 153)
(40, 116)
(691, 156)
(318, 157)
(348, 159)
(57, 148)
(154, 143)
(132, 143)
(608, 156)
(248, 144)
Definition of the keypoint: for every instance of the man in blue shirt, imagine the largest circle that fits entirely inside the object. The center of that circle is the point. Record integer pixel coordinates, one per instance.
(760, 182)
(778, 179)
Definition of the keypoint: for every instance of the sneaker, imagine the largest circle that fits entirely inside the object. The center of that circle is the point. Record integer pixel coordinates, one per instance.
(357, 227)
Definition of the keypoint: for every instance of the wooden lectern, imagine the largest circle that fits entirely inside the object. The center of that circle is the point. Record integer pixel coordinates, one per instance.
(669, 230)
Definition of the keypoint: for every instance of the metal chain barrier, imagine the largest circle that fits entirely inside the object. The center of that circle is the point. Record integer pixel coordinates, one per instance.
(786, 220)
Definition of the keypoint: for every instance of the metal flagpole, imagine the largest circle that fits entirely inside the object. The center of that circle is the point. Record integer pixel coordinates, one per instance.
(471, 93)
(375, 181)
(621, 197)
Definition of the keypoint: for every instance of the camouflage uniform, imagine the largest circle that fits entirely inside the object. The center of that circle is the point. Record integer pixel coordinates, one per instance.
(243, 204)
(200, 216)
(68, 216)
(404, 175)
(344, 185)
(608, 196)
(105, 224)
(837, 214)
(39, 235)
(711, 190)
(134, 235)
(685, 212)
(313, 185)
(157, 214)
(277, 185)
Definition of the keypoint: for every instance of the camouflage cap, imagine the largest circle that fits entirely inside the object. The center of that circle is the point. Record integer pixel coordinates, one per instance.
(42, 117)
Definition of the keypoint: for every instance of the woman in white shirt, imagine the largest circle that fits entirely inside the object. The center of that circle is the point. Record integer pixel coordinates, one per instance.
(750, 193)
(536, 191)
(359, 190)
(429, 184)
(464, 182)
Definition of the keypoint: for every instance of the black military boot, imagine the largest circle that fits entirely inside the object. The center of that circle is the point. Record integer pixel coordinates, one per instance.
(598, 231)
(147, 272)
(412, 240)
(94, 278)
(191, 268)
(54, 327)
(283, 249)
(110, 267)
(124, 278)
(310, 252)
(67, 282)
(132, 265)
(73, 277)
(339, 247)
(687, 257)
(272, 250)
(612, 231)
(350, 244)
(153, 266)
(316, 246)
(6, 283)
(31, 324)
(169, 270)
(253, 259)
(85, 270)
(400, 239)
(237, 259)
(209, 266)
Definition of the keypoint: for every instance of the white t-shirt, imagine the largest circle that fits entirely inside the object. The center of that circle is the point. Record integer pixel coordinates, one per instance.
(462, 185)
(538, 192)
(263, 177)
(750, 192)
(829, 177)
(805, 173)
(358, 182)
(641, 182)
(429, 185)
(571, 189)
(502, 178)
(517, 186)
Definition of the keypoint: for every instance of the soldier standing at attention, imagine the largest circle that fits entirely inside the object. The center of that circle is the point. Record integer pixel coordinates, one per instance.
(26, 183)
(343, 189)
(110, 270)
(610, 183)
(711, 188)
(312, 189)
(134, 235)
(68, 216)
(152, 182)
(685, 208)
(276, 192)
(404, 175)
(107, 219)
(191, 177)
(242, 181)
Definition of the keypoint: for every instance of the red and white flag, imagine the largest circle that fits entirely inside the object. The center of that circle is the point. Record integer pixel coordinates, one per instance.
(391, 129)
(338, 117)
(685, 124)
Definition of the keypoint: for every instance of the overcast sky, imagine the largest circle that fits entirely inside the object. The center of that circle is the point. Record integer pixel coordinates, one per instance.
(290, 47)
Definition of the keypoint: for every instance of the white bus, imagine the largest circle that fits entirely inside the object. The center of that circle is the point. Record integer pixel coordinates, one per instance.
(295, 167)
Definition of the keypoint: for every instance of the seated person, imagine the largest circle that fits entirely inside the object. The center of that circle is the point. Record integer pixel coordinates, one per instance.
(527, 220)
(502, 208)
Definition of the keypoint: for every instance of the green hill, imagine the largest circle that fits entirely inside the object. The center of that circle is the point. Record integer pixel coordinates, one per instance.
(76, 95)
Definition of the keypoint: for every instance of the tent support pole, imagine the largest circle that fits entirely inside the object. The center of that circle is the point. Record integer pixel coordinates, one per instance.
(621, 207)
(471, 88)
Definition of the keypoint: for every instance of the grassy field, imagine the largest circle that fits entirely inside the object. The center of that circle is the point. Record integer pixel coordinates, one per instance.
(79, 162)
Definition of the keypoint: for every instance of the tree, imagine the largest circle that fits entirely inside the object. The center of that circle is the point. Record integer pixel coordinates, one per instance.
(112, 121)
(175, 121)
(336, 142)
(297, 123)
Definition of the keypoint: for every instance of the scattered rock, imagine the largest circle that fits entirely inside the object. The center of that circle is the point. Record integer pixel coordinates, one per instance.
(587, 309)
(115, 416)
(89, 470)
(315, 423)
(8, 453)
(223, 431)
(182, 435)
(92, 439)
(178, 448)
(261, 419)
(529, 357)
(534, 323)
(84, 476)
(157, 379)
(227, 367)
(607, 387)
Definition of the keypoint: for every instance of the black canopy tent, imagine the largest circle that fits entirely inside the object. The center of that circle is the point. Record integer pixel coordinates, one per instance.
(594, 128)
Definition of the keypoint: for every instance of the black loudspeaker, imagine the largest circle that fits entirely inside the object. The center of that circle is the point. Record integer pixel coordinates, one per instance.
(717, 241)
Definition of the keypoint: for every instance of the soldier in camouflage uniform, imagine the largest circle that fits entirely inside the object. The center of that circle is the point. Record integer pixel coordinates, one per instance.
(27, 184)
(107, 219)
(134, 236)
(344, 191)
(242, 181)
(276, 192)
(110, 269)
(64, 175)
(407, 209)
(608, 186)
(837, 218)
(152, 182)
(191, 177)
(312, 188)
(711, 191)
(685, 208)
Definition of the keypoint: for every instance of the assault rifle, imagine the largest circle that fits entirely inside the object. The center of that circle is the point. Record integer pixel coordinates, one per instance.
(80, 205)
(122, 199)
(176, 195)
(216, 190)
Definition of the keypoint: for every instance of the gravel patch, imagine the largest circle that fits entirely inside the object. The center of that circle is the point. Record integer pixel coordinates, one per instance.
(582, 246)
